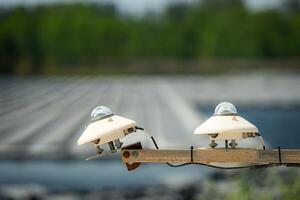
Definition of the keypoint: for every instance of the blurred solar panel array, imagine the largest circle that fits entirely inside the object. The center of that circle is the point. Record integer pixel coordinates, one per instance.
(41, 118)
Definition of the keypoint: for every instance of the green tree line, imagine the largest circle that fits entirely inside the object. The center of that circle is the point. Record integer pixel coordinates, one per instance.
(86, 34)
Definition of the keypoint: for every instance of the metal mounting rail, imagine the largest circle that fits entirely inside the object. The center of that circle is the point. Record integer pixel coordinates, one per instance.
(288, 157)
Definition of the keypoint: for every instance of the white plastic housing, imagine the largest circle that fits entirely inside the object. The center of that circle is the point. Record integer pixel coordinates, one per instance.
(107, 130)
(227, 127)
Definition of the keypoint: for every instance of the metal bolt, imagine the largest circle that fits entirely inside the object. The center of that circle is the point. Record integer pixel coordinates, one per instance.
(233, 144)
(213, 144)
(112, 147)
(99, 150)
(135, 153)
(126, 154)
(118, 143)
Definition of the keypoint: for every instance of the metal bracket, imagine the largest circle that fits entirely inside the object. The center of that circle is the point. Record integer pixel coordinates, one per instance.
(134, 155)
(126, 154)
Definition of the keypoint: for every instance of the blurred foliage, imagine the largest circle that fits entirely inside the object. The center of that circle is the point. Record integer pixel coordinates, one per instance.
(39, 39)
(262, 184)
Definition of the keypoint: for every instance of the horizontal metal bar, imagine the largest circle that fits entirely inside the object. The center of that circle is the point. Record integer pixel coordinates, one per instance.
(209, 156)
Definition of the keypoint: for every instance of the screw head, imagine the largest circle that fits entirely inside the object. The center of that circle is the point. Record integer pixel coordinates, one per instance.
(135, 153)
(126, 154)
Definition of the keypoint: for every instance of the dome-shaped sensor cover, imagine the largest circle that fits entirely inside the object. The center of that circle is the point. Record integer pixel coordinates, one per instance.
(101, 112)
(225, 108)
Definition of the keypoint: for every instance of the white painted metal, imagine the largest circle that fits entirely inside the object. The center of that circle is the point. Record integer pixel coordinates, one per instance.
(227, 127)
(107, 130)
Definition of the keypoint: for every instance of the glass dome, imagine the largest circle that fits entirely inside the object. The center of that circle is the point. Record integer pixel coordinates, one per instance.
(225, 108)
(100, 112)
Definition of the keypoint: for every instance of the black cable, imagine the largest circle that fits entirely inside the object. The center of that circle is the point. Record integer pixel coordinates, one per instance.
(192, 155)
(293, 165)
(171, 165)
(213, 166)
(239, 167)
(139, 128)
(154, 142)
(279, 155)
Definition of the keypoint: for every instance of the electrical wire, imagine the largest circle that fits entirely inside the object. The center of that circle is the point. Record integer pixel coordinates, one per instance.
(214, 166)
(220, 167)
